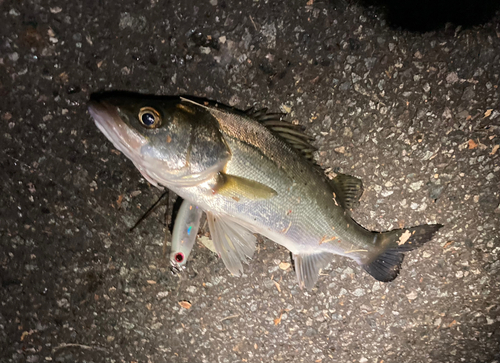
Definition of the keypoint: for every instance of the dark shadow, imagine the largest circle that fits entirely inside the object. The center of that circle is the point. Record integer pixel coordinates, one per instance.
(428, 15)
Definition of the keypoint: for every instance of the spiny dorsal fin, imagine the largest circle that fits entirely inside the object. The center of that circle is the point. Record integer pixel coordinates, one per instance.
(348, 189)
(292, 134)
(257, 114)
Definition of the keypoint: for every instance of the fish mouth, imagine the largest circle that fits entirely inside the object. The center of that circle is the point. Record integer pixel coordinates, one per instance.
(123, 137)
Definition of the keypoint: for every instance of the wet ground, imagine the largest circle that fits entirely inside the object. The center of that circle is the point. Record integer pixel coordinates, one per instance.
(416, 116)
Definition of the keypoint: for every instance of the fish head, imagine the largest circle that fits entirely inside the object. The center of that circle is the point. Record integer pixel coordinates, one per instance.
(171, 142)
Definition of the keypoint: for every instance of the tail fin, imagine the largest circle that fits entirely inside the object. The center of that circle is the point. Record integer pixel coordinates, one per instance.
(385, 267)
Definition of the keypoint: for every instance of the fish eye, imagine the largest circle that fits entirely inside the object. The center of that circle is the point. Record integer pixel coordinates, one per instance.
(179, 257)
(149, 117)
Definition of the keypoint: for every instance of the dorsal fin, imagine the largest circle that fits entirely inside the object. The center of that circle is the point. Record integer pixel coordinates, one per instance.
(256, 114)
(348, 190)
(292, 134)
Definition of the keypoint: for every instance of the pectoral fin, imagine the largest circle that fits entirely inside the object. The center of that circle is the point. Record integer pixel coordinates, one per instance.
(307, 267)
(237, 187)
(233, 242)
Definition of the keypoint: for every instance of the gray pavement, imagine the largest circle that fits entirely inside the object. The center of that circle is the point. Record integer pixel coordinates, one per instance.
(416, 116)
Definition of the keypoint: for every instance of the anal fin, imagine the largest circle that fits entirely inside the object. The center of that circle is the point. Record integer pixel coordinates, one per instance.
(307, 266)
(232, 242)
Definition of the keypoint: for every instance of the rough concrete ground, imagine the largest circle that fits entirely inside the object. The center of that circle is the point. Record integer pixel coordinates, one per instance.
(416, 116)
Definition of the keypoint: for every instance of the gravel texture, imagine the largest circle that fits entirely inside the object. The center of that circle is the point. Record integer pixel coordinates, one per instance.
(416, 116)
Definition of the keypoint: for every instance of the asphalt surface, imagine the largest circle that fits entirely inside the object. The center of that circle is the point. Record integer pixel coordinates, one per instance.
(416, 116)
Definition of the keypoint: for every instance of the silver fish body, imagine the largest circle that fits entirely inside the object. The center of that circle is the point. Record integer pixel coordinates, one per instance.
(249, 179)
(304, 212)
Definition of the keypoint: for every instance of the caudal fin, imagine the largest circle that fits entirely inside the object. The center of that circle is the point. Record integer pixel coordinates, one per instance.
(385, 267)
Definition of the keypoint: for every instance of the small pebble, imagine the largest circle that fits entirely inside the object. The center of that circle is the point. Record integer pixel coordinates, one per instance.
(14, 56)
(417, 185)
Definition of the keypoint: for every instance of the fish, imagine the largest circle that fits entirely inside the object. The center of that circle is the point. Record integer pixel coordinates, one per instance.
(252, 173)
